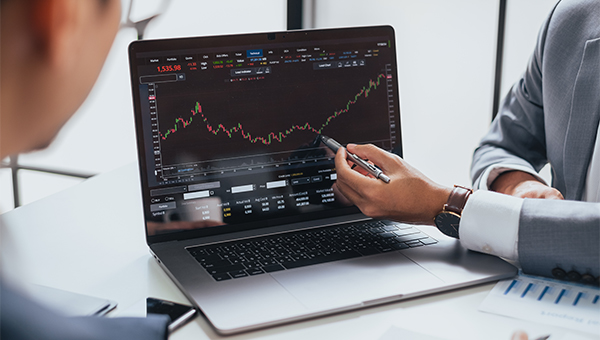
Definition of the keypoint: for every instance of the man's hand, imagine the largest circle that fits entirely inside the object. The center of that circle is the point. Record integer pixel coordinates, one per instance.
(409, 197)
(523, 185)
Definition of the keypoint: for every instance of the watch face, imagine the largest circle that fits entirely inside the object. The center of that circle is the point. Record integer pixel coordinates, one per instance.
(447, 223)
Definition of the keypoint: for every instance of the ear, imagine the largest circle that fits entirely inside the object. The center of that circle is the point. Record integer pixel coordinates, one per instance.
(54, 25)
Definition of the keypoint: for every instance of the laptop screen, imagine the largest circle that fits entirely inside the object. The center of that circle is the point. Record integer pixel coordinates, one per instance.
(227, 125)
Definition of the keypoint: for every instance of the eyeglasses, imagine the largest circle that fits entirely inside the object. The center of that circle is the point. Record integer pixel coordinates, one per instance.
(139, 15)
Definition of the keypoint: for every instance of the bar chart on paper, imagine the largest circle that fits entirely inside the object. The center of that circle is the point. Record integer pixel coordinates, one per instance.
(546, 301)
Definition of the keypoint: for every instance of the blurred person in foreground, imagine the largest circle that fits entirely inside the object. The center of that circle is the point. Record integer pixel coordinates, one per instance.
(51, 54)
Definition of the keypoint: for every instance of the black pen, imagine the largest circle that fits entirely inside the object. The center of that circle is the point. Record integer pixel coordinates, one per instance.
(368, 167)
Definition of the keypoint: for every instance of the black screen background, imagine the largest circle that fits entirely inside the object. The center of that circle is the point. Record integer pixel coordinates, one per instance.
(292, 94)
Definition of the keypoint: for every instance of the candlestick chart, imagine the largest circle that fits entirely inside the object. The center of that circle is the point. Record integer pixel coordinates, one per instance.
(257, 126)
(181, 123)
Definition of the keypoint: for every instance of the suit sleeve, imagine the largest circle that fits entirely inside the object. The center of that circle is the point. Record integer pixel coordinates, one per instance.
(552, 234)
(559, 234)
(23, 319)
(517, 135)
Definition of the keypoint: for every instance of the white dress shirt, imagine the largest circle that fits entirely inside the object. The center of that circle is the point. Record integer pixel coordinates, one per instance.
(490, 221)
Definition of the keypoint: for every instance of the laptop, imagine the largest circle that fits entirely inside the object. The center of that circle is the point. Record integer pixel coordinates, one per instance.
(239, 197)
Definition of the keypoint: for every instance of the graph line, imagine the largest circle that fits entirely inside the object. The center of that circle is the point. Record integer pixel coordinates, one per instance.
(272, 136)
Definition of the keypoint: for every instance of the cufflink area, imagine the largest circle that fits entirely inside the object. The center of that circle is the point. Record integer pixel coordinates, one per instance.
(575, 276)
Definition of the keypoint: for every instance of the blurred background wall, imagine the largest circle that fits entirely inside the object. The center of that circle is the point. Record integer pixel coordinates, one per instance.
(446, 59)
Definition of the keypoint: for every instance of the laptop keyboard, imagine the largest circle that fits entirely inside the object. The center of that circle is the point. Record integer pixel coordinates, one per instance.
(255, 256)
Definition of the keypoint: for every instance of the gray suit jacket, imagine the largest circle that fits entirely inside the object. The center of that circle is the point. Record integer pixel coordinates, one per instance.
(551, 115)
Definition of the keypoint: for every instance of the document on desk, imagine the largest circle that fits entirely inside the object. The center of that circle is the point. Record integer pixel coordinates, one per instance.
(546, 301)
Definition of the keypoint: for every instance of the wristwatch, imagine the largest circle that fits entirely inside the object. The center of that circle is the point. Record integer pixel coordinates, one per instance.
(448, 219)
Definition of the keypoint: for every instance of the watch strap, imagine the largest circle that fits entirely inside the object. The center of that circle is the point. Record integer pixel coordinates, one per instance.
(457, 199)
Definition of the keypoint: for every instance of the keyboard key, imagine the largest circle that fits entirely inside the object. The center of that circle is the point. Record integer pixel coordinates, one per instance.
(234, 260)
(221, 277)
(254, 264)
(283, 252)
(343, 248)
(399, 246)
(385, 249)
(284, 259)
(267, 262)
(273, 268)
(230, 248)
(197, 251)
(406, 231)
(224, 269)
(404, 226)
(209, 258)
(255, 271)
(414, 244)
(369, 251)
(265, 255)
(244, 252)
(298, 257)
(428, 240)
(328, 252)
(412, 237)
(221, 263)
(388, 241)
(377, 230)
(238, 273)
(387, 235)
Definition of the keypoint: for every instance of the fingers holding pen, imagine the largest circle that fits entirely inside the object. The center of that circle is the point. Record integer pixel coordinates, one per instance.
(410, 196)
(347, 177)
(384, 160)
(365, 192)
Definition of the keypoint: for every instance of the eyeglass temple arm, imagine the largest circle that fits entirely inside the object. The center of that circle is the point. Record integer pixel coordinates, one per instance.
(141, 25)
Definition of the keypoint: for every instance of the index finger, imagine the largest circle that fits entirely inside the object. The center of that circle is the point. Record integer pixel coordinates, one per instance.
(379, 157)
(347, 175)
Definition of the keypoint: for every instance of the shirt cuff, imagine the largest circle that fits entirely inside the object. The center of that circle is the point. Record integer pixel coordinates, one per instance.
(490, 224)
(493, 171)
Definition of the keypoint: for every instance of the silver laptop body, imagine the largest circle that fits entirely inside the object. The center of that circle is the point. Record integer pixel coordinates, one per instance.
(235, 185)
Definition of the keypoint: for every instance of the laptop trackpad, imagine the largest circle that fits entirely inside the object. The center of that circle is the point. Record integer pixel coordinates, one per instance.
(354, 281)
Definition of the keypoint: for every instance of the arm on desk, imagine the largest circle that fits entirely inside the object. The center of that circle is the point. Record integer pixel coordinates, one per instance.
(542, 234)
(551, 233)
(523, 185)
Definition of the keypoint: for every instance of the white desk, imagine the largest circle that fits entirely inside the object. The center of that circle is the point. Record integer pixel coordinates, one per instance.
(89, 239)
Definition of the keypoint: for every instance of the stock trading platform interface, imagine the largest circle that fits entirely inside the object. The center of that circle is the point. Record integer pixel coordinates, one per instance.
(230, 135)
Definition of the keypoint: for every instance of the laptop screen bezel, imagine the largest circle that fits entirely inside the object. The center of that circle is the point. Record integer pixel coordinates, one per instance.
(253, 39)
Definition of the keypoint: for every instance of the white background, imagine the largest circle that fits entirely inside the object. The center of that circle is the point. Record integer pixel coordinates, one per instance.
(446, 55)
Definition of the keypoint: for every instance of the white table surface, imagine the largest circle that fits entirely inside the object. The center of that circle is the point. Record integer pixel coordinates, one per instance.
(89, 239)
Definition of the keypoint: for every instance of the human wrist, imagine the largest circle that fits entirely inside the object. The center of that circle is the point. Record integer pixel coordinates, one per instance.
(448, 219)
(508, 182)
(439, 197)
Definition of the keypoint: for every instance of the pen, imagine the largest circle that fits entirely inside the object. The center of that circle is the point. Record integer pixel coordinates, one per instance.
(370, 168)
